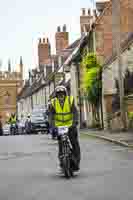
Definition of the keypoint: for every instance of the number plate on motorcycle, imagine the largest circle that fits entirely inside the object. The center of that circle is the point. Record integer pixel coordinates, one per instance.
(62, 130)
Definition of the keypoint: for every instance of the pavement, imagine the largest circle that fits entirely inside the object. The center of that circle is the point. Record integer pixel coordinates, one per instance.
(28, 170)
(121, 138)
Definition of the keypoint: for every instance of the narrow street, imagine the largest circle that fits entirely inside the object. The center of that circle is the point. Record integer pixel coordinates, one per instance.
(28, 170)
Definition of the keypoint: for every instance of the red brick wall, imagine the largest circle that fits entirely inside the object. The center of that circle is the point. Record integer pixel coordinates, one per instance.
(43, 52)
(62, 41)
(104, 33)
(104, 37)
(85, 20)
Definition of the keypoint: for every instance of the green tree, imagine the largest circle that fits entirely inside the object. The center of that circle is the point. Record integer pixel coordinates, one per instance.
(92, 83)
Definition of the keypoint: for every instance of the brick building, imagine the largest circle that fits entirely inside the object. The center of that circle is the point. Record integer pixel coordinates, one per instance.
(106, 25)
(61, 39)
(43, 79)
(44, 52)
(112, 13)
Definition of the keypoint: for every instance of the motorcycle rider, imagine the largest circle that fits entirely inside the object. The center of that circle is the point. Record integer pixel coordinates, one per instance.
(13, 121)
(63, 112)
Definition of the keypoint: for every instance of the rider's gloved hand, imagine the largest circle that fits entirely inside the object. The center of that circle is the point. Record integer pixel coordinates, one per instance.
(75, 124)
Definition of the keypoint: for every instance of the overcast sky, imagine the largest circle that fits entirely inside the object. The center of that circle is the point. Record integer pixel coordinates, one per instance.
(24, 21)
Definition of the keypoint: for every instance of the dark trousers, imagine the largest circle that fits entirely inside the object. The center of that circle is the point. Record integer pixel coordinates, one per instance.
(73, 136)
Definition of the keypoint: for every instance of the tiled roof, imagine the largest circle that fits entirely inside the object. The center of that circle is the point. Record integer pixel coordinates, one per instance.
(37, 84)
(67, 51)
(124, 45)
(74, 44)
(83, 40)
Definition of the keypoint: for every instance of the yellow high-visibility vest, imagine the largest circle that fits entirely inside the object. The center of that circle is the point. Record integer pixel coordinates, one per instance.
(63, 116)
(13, 120)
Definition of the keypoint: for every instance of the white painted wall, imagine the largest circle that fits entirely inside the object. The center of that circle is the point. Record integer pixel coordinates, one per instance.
(111, 73)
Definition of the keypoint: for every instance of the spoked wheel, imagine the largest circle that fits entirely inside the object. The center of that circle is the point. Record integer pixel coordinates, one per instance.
(67, 168)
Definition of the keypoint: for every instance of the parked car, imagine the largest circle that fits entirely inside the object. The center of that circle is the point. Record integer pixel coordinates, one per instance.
(39, 108)
(21, 126)
(6, 129)
(38, 122)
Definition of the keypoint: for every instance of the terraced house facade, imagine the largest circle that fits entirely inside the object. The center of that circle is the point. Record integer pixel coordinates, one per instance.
(98, 36)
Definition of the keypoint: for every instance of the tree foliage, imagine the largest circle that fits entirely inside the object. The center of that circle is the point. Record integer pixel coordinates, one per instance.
(92, 84)
(92, 78)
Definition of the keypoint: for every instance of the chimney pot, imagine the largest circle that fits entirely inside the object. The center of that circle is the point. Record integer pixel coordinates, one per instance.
(58, 29)
(94, 13)
(83, 11)
(43, 40)
(64, 28)
(89, 12)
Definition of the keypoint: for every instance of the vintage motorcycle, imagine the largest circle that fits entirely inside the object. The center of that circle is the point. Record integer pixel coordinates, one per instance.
(66, 157)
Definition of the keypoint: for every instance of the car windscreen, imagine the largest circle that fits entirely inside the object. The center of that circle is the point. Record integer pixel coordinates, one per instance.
(37, 116)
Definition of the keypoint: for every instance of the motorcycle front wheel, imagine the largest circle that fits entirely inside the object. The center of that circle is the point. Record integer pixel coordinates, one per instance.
(67, 167)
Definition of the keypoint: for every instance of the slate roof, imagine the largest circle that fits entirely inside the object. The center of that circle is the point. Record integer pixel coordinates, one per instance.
(74, 44)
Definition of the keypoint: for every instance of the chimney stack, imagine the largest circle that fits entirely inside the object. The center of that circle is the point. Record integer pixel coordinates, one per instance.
(85, 21)
(58, 29)
(44, 51)
(62, 39)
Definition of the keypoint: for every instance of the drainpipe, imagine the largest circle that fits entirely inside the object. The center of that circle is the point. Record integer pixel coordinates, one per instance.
(45, 95)
(101, 102)
(79, 93)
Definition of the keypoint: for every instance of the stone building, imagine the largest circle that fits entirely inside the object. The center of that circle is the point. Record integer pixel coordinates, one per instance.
(10, 85)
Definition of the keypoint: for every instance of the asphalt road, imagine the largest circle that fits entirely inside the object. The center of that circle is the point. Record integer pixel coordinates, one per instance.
(28, 171)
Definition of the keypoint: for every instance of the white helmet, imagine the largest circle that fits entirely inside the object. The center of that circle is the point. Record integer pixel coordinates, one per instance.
(61, 88)
(28, 115)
